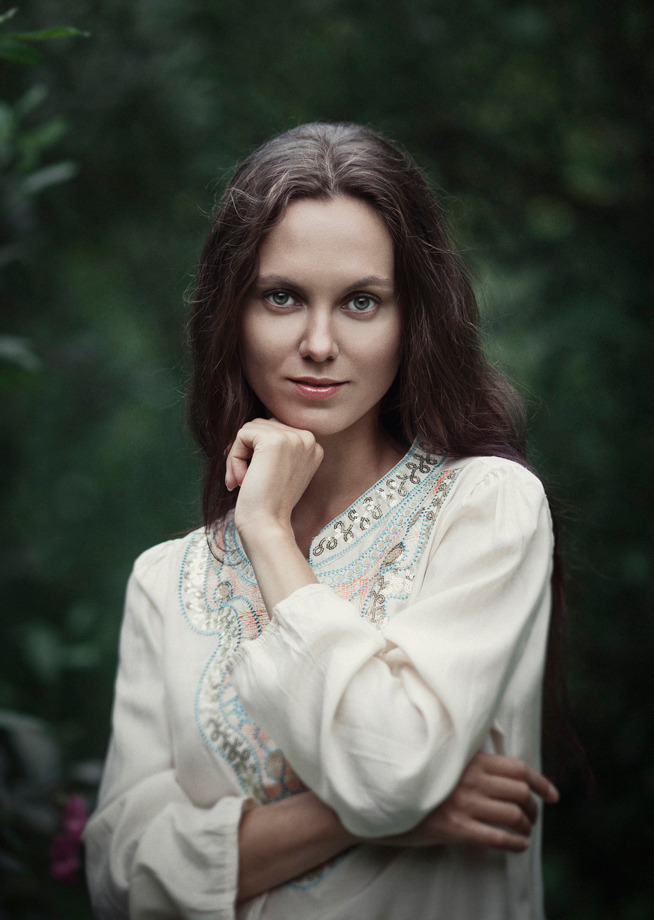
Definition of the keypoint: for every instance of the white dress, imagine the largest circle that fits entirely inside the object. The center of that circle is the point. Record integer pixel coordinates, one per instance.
(423, 643)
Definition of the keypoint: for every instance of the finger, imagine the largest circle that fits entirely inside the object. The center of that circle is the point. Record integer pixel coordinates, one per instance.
(542, 786)
(236, 468)
(507, 814)
(499, 839)
(238, 458)
(510, 790)
(480, 833)
(517, 769)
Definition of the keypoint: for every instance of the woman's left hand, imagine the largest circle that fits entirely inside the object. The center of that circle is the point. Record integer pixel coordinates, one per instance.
(492, 805)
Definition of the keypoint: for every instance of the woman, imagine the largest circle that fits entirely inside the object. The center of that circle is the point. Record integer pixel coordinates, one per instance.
(370, 589)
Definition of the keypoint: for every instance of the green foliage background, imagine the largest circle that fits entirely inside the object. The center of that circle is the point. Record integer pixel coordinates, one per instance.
(536, 118)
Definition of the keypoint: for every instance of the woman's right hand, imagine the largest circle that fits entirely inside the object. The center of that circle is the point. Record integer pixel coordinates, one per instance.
(493, 805)
(272, 464)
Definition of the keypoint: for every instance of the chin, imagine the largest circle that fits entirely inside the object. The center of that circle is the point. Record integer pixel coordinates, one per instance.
(323, 428)
(319, 429)
(317, 422)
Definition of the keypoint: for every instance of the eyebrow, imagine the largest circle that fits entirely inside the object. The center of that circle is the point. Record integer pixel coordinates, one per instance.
(279, 281)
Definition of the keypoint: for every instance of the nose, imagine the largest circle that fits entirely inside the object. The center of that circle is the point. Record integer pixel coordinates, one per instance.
(319, 336)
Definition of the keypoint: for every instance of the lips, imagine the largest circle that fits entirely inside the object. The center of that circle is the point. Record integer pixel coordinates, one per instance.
(317, 387)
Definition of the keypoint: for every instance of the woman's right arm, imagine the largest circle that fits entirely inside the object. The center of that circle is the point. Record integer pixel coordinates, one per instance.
(150, 850)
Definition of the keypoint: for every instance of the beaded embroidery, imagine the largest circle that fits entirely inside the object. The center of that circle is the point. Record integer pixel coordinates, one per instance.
(221, 599)
(369, 556)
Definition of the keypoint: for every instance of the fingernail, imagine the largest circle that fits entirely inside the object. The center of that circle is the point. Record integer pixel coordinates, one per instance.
(553, 793)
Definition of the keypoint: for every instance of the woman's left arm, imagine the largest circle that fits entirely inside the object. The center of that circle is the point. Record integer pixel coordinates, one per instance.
(493, 805)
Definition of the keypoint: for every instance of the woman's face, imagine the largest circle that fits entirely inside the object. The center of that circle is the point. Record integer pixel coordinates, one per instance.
(320, 329)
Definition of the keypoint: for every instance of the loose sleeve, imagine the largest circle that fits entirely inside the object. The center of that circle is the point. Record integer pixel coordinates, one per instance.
(381, 723)
(151, 853)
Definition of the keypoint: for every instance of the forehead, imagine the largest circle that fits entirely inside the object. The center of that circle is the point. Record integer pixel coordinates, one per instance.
(343, 231)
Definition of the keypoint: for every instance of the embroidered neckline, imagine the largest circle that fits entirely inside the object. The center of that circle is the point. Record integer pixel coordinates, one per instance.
(376, 503)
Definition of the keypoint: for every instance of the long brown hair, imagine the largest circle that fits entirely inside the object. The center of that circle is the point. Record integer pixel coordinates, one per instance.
(446, 393)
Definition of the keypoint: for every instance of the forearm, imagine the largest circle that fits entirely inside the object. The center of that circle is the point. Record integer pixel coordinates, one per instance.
(493, 805)
(278, 563)
(280, 841)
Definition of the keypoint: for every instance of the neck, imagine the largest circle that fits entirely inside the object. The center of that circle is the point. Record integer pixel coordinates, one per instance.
(352, 463)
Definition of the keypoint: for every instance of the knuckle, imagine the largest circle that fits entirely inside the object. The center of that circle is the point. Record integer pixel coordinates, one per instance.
(523, 771)
(496, 837)
(455, 820)
(515, 814)
(524, 794)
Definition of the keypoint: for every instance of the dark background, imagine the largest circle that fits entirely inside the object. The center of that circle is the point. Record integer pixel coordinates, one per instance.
(536, 117)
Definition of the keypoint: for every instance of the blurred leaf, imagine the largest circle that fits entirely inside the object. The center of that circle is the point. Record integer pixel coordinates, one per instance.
(18, 351)
(43, 650)
(43, 136)
(16, 47)
(4, 17)
(36, 761)
(31, 100)
(44, 34)
(46, 177)
(18, 52)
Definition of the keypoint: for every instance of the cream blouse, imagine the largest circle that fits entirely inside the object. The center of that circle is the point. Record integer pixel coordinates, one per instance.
(423, 643)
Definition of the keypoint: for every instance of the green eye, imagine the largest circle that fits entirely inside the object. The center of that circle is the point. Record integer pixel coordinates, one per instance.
(280, 298)
(362, 303)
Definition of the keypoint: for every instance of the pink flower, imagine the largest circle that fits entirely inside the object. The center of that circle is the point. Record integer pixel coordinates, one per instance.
(75, 816)
(65, 852)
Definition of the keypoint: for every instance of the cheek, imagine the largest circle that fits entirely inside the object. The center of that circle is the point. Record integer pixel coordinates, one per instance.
(254, 347)
(265, 341)
(385, 356)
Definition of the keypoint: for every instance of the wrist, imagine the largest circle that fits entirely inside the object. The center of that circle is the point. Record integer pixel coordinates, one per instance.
(278, 563)
(265, 536)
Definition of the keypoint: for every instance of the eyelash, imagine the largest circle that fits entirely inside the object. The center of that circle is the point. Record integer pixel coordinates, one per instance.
(374, 301)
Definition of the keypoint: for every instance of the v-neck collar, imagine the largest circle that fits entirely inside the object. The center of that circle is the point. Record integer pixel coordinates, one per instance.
(365, 515)
(371, 508)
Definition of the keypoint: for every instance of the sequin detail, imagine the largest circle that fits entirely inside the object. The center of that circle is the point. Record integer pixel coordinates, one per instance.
(378, 572)
(377, 502)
